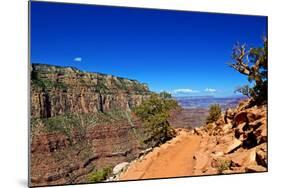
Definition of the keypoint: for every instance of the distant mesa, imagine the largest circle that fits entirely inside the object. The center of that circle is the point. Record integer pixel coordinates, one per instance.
(191, 102)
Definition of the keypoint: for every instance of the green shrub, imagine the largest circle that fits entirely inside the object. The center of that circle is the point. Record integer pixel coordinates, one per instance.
(214, 113)
(154, 113)
(223, 165)
(67, 124)
(165, 95)
(99, 175)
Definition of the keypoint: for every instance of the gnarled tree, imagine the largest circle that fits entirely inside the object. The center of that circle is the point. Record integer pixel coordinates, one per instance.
(253, 63)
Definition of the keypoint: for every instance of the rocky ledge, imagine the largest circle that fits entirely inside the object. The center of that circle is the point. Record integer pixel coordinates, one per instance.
(235, 143)
(58, 90)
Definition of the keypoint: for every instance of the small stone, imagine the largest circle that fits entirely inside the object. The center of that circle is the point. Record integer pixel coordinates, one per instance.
(119, 168)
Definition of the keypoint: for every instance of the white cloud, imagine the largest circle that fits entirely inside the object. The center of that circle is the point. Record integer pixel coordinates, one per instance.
(77, 59)
(211, 90)
(185, 91)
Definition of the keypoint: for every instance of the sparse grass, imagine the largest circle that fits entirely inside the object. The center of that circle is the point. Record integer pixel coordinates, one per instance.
(223, 165)
(62, 123)
(48, 84)
(99, 175)
(68, 123)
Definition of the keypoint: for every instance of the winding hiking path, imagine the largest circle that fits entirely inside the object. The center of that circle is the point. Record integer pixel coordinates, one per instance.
(172, 159)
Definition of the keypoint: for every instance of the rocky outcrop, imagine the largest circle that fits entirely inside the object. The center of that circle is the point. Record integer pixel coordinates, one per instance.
(58, 90)
(235, 143)
(81, 122)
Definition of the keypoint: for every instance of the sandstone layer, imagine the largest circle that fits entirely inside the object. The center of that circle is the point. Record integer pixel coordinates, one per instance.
(81, 122)
(58, 90)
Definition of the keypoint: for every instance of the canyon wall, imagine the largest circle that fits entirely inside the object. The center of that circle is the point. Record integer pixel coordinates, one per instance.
(58, 90)
(81, 123)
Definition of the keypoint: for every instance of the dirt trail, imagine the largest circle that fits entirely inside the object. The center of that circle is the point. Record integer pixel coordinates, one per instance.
(171, 159)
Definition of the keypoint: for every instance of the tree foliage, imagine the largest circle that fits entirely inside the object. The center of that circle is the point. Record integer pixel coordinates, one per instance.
(154, 113)
(253, 63)
(99, 175)
(165, 95)
(214, 113)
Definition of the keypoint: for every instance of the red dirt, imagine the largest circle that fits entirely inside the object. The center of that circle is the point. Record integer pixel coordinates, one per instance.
(172, 159)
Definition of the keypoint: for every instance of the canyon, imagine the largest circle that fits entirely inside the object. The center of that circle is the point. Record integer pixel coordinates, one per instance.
(80, 122)
(83, 122)
(235, 143)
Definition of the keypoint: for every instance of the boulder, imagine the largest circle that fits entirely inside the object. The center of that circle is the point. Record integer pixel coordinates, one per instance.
(235, 143)
(247, 116)
(243, 158)
(261, 154)
(119, 168)
(240, 118)
(252, 116)
(255, 168)
(261, 134)
(239, 131)
(257, 123)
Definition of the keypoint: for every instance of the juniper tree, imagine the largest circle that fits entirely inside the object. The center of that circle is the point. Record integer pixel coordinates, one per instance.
(253, 63)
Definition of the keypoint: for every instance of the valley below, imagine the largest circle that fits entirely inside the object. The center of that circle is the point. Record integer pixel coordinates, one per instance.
(84, 130)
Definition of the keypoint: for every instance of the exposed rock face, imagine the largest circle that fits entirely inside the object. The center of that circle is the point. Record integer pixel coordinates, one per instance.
(235, 143)
(61, 154)
(59, 90)
(55, 160)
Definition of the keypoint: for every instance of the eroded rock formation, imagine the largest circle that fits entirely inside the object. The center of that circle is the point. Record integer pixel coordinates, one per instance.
(81, 122)
(58, 90)
(235, 143)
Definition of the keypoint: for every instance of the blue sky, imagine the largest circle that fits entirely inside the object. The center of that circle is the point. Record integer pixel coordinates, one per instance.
(184, 53)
